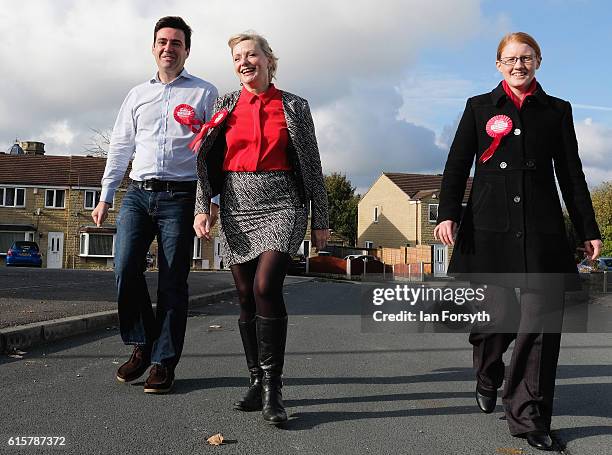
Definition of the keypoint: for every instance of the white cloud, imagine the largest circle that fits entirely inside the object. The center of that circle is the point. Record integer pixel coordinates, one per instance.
(361, 135)
(58, 134)
(595, 145)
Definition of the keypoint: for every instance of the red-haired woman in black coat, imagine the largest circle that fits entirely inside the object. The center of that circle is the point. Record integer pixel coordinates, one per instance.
(512, 233)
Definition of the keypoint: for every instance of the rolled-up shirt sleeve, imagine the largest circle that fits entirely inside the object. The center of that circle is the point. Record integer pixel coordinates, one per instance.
(121, 149)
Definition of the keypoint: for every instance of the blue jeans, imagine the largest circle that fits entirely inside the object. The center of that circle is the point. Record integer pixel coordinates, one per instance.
(144, 215)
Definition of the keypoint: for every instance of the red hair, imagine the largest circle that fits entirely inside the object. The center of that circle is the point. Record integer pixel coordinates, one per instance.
(520, 37)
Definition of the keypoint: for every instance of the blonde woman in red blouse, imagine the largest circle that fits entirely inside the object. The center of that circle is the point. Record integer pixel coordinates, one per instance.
(261, 155)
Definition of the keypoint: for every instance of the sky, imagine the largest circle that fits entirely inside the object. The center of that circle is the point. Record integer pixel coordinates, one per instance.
(386, 81)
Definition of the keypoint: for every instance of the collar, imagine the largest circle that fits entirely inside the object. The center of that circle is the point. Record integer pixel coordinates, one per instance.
(184, 74)
(264, 97)
(518, 102)
(498, 94)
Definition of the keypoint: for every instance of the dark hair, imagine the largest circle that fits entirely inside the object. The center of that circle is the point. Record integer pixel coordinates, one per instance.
(174, 22)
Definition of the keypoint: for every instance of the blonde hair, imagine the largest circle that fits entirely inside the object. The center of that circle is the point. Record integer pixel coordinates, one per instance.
(263, 45)
(520, 37)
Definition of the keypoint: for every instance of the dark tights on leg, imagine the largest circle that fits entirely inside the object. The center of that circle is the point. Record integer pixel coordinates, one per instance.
(260, 285)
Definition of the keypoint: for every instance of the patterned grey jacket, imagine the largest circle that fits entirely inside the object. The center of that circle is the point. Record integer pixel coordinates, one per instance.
(302, 151)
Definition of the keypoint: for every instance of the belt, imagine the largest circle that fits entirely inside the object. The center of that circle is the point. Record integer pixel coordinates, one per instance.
(165, 185)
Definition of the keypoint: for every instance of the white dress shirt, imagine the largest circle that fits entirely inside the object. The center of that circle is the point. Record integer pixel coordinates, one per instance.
(146, 130)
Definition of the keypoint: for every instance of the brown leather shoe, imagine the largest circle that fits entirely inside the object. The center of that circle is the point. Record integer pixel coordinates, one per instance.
(136, 366)
(160, 380)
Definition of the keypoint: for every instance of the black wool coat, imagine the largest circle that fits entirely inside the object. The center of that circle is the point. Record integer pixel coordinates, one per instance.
(513, 223)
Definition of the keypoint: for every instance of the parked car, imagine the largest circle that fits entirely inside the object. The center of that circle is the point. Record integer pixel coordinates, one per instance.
(600, 264)
(24, 253)
(297, 265)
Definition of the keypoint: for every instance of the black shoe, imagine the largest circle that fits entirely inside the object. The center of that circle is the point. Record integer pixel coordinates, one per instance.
(251, 401)
(539, 439)
(486, 400)
(272, 337)
(136, 366)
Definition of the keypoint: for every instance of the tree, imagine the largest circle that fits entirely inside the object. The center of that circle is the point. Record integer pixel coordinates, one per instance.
(602, 203)
(342, 205)
(99, 142)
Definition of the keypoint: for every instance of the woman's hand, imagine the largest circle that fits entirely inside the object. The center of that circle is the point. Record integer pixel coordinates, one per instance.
(445, 232)
(202, 225)
(319, 238)
(592, 248)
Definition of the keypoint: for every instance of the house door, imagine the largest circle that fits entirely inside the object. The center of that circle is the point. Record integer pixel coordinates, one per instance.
(217, 254)
(55, 250)
(440, 260)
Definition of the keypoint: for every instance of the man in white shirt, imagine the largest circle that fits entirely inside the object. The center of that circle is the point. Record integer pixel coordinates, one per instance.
(159, 203)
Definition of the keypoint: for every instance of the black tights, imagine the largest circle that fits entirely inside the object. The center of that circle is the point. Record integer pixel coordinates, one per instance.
(260, 285)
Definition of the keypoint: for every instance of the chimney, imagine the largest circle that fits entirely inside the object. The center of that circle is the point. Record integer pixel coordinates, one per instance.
(33, 148)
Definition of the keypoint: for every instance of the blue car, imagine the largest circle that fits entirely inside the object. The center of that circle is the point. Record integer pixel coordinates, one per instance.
(24, 253)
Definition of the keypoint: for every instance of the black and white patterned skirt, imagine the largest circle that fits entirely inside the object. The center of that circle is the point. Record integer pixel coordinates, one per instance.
(260, 211)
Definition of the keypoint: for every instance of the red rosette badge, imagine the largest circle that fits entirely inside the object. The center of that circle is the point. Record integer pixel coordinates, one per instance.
(216, 120)
(185, 115)
(497, 127)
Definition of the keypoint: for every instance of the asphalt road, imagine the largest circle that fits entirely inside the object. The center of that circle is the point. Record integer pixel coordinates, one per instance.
(88, 285)
(32, 295)
(347, 392)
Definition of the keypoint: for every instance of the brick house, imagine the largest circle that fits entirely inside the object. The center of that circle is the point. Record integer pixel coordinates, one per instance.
(400, 210)
(49, 199)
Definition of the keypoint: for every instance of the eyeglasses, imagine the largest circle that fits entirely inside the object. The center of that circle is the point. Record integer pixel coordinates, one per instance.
(511, 61)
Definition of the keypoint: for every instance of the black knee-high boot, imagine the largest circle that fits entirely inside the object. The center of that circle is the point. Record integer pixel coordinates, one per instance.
(251, 401)
(272, 337)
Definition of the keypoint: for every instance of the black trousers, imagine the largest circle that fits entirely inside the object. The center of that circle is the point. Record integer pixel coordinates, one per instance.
(533, 322)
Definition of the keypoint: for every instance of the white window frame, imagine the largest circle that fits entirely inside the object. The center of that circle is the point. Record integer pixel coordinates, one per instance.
(95, 193)
(84, 246)
(429, 212)
(376, 214)
(197, 247)
(28, 236)
(16, 189)
(55, 190)
(368, 244)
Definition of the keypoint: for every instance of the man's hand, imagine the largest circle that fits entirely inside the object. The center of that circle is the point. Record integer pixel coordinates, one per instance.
(202, 225)
(319, 238)
(445, 232)
(214, 214)
(100, 213)
(592, 248)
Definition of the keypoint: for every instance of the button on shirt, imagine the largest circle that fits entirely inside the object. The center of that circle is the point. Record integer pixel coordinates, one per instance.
(146, 130)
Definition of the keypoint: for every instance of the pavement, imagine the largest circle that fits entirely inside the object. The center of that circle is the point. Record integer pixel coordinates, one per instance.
(346, 391)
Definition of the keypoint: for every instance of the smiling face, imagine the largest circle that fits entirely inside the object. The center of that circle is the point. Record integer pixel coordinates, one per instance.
(251, 65)
(170, 52)
(519, 75)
